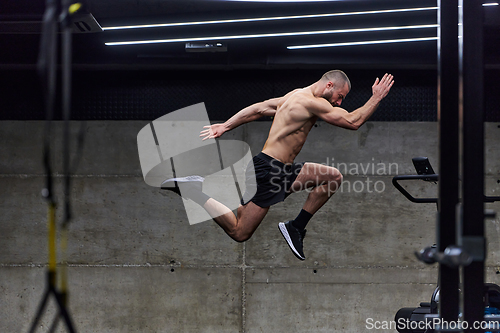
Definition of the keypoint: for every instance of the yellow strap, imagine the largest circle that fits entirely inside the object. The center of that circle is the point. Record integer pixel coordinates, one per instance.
(74, 8)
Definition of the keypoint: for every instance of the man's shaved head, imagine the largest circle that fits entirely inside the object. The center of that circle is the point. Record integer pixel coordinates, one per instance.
(337, 76)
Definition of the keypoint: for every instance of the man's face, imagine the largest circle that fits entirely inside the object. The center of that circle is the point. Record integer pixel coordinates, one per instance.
(336, 94)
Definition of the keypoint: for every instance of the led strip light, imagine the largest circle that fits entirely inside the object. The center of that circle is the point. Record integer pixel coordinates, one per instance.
(275, 18)
(284, 34)
(387, 41)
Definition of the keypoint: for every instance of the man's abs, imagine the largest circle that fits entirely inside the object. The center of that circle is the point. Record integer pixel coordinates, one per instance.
(289, 131)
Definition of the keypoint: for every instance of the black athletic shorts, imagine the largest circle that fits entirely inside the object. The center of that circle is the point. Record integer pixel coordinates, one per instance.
(273, 180)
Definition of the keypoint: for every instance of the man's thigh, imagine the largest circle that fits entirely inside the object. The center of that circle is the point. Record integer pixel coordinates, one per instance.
(312, 175)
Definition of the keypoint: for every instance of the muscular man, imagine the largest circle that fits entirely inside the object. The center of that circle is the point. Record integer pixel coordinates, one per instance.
(276, 173)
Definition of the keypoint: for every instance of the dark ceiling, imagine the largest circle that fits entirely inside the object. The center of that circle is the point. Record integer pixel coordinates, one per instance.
(20, 34)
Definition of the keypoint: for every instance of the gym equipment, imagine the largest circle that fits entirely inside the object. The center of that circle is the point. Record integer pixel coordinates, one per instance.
(424, 172)
(47, 69)
(460, 243)
(425, 318)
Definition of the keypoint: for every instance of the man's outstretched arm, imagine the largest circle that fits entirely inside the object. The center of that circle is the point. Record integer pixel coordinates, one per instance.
(246, 115)
(353, 120)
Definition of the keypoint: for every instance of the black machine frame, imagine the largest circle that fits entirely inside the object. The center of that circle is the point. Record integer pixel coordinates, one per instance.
(461, 242)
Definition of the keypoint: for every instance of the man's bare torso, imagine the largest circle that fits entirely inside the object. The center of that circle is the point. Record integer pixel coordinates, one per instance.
(291, 125)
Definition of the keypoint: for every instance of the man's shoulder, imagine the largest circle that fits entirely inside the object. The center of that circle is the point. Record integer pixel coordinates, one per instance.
(305, 99)
(293, 93)
(299, 95)
(308, 100)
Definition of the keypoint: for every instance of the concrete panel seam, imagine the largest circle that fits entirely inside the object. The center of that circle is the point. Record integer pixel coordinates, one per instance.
(241, 266)
(313, 283)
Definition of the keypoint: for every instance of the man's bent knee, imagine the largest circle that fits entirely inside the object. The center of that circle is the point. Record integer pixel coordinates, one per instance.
(239, 236)
(249, 218)
(334, 182)
(338, 178)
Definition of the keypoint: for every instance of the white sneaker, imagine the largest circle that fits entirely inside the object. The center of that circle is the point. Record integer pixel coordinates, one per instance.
(169, 183)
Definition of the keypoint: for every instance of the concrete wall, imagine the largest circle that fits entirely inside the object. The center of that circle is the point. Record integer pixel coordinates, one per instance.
(136, 265)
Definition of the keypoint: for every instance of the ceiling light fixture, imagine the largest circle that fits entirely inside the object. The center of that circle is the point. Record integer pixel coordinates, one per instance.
(274, 18)
(283, 34)
(387, 41)
(490, 4)
(283, 0)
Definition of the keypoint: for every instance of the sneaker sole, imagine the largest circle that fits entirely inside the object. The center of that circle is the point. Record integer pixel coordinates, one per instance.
(284, 232)
(169, 183)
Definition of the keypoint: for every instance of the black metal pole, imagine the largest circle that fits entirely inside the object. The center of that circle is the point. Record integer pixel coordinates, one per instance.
(472, 70)
(66, 103)
(448, 91)
(46, 67)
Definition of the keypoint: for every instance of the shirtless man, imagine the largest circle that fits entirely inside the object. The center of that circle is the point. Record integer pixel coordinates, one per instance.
(276, 173)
